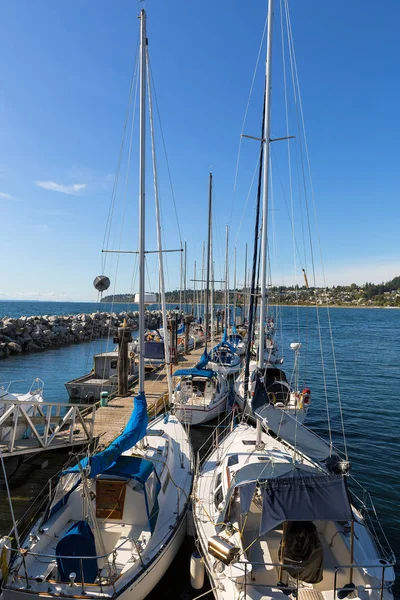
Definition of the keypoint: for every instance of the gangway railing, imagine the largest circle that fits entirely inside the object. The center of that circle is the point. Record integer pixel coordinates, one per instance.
(27, 427)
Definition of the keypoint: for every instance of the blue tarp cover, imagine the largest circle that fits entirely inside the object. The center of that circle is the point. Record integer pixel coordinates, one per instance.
(208, 373)
(133, 467)
(134, 431)
(77, 541)
(204, 359)
(181, 328)
(154, 350)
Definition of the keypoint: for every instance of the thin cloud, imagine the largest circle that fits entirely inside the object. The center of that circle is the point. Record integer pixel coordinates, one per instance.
(73, 189)
(5, 196)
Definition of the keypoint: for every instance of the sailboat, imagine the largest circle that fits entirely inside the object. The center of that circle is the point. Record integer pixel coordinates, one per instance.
(276, 517)
(201, 393)
(116, 520)
(224, 357)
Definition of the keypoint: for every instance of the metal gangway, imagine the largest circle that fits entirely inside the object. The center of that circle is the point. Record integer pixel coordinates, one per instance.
(30, 427)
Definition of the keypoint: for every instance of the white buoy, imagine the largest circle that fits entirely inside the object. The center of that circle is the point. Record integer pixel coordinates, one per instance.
(196, 570)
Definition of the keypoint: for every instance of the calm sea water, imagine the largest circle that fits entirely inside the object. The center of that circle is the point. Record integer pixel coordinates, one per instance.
(367, 347)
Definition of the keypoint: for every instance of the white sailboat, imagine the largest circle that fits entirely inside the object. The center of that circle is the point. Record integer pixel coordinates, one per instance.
(201, 393)
(272, 523)
(117, 519)
(276, 518)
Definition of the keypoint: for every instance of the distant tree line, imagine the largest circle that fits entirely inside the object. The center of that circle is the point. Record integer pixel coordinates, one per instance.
(382, 294)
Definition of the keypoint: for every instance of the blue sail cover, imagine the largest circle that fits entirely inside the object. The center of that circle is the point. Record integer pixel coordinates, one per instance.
(224, 337)
(203, 361)
(195, 373)
(134, 431)
(181, 328)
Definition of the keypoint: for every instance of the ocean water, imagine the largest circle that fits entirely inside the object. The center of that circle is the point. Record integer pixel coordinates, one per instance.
(367, 356)
(27, 308)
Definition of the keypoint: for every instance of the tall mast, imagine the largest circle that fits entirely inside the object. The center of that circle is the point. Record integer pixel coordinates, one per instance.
(184, 280)
(266, 138)
(245, 284)
(194, 301)
(202, 298)
(142, 172)
(208, 259)
(167, 341)
(234, 290)
(226, 283)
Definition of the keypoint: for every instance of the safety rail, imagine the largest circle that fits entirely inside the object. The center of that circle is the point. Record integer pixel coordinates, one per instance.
(383, 565)
(294, 588)
(51, 562)
(32, 427)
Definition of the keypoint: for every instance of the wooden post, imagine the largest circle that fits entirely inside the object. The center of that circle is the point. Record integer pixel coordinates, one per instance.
(124, 337)
(187, 323)
(174, 348)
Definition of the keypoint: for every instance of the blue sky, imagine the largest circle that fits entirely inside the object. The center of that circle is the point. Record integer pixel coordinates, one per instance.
(65, 72)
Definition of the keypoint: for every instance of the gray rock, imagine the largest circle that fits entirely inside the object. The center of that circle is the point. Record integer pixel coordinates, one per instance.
(14, 348)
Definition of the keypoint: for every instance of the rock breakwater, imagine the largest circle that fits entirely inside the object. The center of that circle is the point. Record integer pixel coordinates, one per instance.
(30, 334)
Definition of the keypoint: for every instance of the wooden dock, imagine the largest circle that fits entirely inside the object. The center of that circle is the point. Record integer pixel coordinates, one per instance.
(111, 419)
(28, 479)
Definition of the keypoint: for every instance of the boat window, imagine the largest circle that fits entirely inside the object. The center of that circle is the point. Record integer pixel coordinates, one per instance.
(110, 498)
(233, 460)
(249, 442)
(114, 363)
(218, 497)
(218, 480)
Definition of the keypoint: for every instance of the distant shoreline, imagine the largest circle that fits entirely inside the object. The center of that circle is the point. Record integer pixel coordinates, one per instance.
(274, 305)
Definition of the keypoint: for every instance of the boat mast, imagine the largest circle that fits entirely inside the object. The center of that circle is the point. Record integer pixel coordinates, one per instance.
(142, 172)
(194, 301)
(202, 298)
(234, 291)
(226, 283)
(245, 284)
(184, 281)
(208, 260)
(167, 340)
(266, 139)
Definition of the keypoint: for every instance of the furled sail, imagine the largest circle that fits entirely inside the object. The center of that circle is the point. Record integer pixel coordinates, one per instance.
(134, 431)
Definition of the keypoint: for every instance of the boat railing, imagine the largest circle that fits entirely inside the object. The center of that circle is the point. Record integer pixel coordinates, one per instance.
(224, 427)
(19, 571)
(292, 586)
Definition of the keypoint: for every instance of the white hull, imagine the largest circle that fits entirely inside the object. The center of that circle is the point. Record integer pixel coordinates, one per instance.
(196, 415)
(134, 572)
(257, 562)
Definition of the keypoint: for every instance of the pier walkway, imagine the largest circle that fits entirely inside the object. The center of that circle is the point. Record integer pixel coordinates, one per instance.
(111, 419)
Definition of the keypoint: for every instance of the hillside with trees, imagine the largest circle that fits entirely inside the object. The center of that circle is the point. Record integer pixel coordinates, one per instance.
(370, 294)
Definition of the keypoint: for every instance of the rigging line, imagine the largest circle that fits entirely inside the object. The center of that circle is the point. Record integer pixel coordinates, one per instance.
(125, 195)
(289, 165)
(246, 111)
(299, 104)
(247, 202)
(165, 151)
(107, 232)
(250, 327)
(319, 243)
